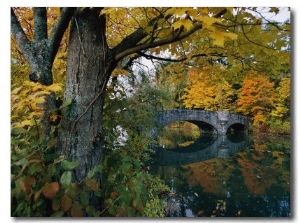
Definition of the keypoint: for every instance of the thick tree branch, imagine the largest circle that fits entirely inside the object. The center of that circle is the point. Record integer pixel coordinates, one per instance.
(178, 35)
(19, 33)
(167, 40)
(147, 56)
(40, 52)
(59, 28)
(40, 23)
(134, 38)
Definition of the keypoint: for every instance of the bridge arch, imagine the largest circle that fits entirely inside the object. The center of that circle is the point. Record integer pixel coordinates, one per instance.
(219, 121)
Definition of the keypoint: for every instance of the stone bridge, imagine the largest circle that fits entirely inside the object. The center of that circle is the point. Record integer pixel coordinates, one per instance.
(219, 122)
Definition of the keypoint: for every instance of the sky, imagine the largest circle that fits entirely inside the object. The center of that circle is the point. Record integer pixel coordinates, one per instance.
(5, 83)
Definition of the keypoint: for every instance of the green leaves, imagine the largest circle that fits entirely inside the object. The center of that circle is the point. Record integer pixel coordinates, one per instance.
(18, 131)
(66, 178)
(66, 103)
(96, 169)
(69, 165)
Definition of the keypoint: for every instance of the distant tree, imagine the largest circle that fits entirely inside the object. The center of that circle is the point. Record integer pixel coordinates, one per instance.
(257, 97)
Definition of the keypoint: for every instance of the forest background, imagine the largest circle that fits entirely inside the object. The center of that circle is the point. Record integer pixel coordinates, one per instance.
(5, 88)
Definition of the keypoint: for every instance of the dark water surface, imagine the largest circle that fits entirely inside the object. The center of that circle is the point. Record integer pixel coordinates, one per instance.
(235, 176)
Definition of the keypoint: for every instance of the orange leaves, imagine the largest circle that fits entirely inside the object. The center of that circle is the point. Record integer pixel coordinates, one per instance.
(117, 72)
(257, 95)
(24, 184)
(50, 190)
(114, 194)
(76, 210)
(92, 184)
(66, 203)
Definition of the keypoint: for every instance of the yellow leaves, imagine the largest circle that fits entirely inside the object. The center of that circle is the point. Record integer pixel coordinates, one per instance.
(274, 9)
(186, 23)
(164, 33)
(206, 90)
(207, 21)
(27, 122)
(282, 102)
(219, 37)
(108, 10)
(117, 72)
(54, 87)
(259, 118)
(26, 104)
(175, 11)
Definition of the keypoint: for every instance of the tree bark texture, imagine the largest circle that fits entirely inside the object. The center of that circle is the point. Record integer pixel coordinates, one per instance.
(88, 70)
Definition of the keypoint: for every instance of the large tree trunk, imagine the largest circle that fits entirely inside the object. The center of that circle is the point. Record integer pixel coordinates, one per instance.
(88, 70)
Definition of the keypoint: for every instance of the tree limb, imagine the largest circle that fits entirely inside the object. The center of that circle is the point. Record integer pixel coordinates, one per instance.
(19, 33)
(164, 41)
(178, 35)
(148, 56)
(134, 38)
(40, 23)
(59, 28)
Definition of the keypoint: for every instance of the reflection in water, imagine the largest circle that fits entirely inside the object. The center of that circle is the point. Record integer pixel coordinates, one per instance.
(206, 147)
(252, 181)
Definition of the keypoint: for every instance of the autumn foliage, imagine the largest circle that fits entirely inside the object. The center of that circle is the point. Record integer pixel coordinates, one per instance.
(208, 90)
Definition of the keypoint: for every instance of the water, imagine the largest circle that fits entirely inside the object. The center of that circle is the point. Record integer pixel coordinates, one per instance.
(236, 176)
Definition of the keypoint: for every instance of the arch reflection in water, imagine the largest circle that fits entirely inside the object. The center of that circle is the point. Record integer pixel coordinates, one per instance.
(203, 149)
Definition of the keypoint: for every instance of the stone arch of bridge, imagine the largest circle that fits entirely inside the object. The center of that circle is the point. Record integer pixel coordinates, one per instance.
(236, 128)
(204, 127)
(208, 121)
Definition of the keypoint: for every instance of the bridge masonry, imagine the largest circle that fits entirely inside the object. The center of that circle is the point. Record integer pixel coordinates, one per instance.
(219, 121)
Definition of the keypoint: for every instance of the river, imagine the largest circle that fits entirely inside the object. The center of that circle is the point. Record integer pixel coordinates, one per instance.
(235, 176)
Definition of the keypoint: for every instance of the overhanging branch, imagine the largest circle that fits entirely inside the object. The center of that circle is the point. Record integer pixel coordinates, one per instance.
(178, 35)
(148, 56)
(148, 45)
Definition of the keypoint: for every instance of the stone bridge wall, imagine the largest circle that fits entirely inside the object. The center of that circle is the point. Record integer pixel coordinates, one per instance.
(220, 121)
